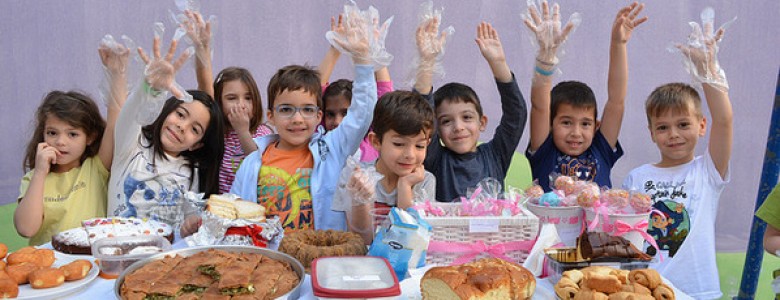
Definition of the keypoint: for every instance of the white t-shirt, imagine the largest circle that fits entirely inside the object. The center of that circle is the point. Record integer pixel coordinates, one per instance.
(139, 186)
(686, 198)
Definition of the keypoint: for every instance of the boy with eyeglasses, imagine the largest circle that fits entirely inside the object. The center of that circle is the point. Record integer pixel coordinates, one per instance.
(294, 173)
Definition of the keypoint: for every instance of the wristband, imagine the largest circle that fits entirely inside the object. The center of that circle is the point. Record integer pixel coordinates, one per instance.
(544, 72)
(151, 91)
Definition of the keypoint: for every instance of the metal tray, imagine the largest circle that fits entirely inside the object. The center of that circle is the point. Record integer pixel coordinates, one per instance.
(294, 264)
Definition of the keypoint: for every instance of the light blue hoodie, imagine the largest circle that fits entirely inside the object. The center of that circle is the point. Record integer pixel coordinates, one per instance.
(330, 152)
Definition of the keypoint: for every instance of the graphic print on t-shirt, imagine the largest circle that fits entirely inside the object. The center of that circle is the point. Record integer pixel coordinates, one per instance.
(287, 196)
(669, 221)
(582, 167)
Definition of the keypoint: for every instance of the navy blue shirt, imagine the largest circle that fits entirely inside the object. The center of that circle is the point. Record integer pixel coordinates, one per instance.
(595, 164)
(455, 173)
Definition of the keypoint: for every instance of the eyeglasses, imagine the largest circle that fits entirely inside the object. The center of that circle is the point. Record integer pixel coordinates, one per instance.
(288, 111)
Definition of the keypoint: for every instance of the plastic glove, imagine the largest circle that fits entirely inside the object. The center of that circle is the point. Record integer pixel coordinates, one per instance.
(362, 185)
(625, 22)
(546, 31)
(430, 43)
(115, 58)
(363, 39)
(700, 53)
(160, 71)
(199, 34)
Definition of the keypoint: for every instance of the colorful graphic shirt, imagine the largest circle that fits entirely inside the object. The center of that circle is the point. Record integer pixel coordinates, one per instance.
(595, 164)
(683, 221)
(233, 156)
(284, 187)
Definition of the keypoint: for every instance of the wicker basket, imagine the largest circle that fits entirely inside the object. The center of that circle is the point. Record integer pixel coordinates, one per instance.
(523, 227)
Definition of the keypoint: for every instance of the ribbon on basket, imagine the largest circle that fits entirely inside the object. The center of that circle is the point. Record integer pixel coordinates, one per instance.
(622, 228)
(429, 208)
(471, 250)
(499, 206)
(601, 210)
(253, 231)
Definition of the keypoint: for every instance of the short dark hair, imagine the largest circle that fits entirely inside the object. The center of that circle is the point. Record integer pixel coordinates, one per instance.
(206, 159)
(294, 78)
(405, 112)
(676, 97)
(456, 92)
(76, 109)
(338, 87)
(243, 75)
(574, 93)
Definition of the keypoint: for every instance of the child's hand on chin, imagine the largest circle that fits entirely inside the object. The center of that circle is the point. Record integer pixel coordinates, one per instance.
(417, 176)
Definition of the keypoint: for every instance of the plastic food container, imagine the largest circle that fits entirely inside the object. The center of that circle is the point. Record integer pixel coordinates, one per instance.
(354, 277)
(114, 254)
(559, 260)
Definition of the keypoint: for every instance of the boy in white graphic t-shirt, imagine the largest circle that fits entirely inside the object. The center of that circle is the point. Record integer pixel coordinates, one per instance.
(686, 188)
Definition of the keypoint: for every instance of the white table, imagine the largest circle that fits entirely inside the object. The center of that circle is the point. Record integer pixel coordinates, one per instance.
(104, 288)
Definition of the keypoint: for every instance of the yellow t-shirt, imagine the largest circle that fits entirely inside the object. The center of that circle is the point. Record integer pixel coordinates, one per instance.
(284, 187)
(70, 197)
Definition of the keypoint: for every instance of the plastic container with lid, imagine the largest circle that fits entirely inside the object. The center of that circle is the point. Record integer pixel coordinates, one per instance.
(354, 277)
(115, 254)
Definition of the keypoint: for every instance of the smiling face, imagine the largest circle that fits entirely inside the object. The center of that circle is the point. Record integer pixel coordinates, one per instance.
(183, 128)
(676, 133)
(335, 110)
(236, 94)
(295, 131)
(573, 129)
(399, 154)
(70, 141)
(460, 125)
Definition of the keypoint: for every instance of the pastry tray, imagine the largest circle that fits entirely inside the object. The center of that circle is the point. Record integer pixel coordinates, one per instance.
(296, 266)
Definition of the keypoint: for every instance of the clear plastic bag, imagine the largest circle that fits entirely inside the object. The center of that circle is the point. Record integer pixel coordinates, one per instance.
(363, 38)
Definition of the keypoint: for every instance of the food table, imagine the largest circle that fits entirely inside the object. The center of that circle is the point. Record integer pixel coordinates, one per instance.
(102, 288)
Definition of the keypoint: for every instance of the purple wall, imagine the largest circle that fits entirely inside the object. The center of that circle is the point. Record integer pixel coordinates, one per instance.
(47, 45)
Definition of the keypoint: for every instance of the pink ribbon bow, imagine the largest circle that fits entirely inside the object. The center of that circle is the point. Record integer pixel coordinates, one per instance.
(499, 206)
(471, 250)
(430, 209)
(601, 210)
(622, 228)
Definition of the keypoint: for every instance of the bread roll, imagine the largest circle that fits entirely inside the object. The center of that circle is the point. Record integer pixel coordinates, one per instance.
(566, 289)
(20, 272)
(46, 278)
(603, 283)
(647, 277)
(76, 269)
(590, 295)
(629, 296)
(485, 279)
(3, 251)
(8, 288)
(634, 287)
(663, 292)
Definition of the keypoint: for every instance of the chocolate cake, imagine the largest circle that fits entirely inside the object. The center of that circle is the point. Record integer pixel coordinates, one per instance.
(596, 245)
(79, 240)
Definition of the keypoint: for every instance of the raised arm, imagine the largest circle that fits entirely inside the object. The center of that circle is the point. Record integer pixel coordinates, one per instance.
(199, 31)
(702, 61)
(493, 52)
(546, 28)
(328, 62)
(114, 57)
(28, 215)
(617, 80)
(430, 49)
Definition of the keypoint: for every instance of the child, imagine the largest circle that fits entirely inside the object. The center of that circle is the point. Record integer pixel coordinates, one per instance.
(294, 172)
(179, 152)
(402, 125)
(686, 188)
(68, 157)
(461, 164)
(566, 137)
(337, 96)
(236, 92)
(769, 213)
